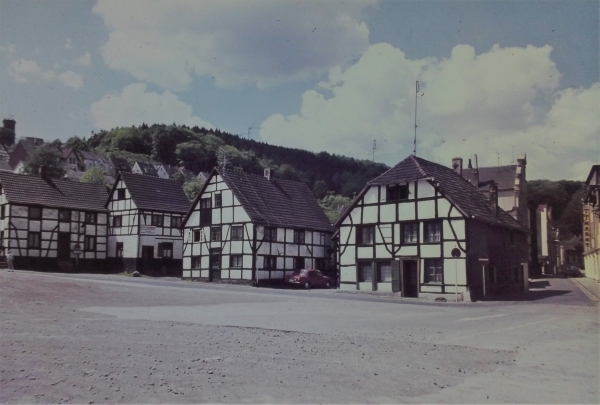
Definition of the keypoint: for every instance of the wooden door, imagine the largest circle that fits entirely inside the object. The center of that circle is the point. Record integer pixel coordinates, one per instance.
(215, 265)
(63, 246)
(410, 278)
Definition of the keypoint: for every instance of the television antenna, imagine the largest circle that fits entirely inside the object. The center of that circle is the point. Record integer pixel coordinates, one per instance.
(374, 149)
(416, 97)
(250, 128)
(222, 158)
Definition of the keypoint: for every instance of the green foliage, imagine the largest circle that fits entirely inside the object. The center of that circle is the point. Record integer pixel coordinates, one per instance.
(564, 197)
(57, 143)
(165, 141)
(7, 136)
(320, 189)
(192, 188)
(78, 143)
(95, 175)
(46, 156)
(334, 206)
(179, 178)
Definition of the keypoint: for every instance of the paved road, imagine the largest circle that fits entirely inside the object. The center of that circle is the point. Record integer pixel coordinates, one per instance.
(83, 338)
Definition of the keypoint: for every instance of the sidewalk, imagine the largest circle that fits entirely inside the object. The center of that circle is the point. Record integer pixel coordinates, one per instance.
(590, 287)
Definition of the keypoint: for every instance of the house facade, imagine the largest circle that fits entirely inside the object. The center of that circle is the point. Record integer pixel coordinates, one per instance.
(144, 168)
(591, 224)
(254, 228)
(144, 232)
(53, 224)
(420, 228)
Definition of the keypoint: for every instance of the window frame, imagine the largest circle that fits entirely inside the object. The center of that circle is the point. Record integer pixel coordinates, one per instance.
(360, 236)
(427, 234)
(205, 212)
(397, 192)
(119, 247)
(36, 238)
(403, 227)
(234, 232)
(120, 194)
(268, 234)
(361, 272)
(299, 236)
(89, 243)
(196, 262)
(196, 235)
(90, 218)
(427, 277)
(379, 275)
(236, 258)
(31, 216)
(177, 220)
(165, 250)
(299, 263)
(117, 221)
(61, 214)
(270, 262)
(157, 220)
(215, 234)
(218, 200)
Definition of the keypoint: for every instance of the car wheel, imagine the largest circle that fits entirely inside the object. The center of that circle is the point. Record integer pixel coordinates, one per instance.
(328, 284)
(307, 285)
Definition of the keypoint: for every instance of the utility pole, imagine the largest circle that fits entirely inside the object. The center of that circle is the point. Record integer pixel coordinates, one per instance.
(416, 97)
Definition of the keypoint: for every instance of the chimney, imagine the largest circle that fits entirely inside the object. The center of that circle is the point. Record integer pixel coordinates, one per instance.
(494, 198)
(9, 123)
(470, 165)
(268, 174)
(476, 173)
(457, 165)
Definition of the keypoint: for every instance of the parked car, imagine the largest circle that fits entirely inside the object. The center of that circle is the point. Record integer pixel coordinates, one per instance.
(309, 278)
(572, 271)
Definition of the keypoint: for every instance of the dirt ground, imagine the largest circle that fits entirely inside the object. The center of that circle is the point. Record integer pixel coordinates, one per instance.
(60, 343)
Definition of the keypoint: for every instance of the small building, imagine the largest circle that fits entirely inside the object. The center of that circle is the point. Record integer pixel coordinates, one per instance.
(591, 224)
(144, 232)
(147, 169)
(48, 224)
(571, 253)
(400, 233)
(165, 171)
(119, 165)
(247, 227)
(547, 235)
(22, 151)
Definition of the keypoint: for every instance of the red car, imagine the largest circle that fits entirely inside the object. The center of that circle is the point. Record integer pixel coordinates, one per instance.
(309, 278)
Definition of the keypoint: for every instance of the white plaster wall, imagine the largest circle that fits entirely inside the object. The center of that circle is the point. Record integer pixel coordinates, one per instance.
(364, 252)
(356, 215)
(384, 287)
(449, 273)
(426, 209)
(407, 251)
(387, 213)
(382, 253)
(240, 215)
(130, 247)
(426, 190)
(431, 251)
(459, 229)
(406, 211)
(369, 214)
(348, 256)
(347, 287)
(367, 286)
(371, 195)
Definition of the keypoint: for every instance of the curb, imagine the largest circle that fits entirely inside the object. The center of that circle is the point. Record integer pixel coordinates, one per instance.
(591, 294)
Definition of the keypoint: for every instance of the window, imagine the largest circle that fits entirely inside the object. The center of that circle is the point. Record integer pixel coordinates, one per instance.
(433, 270)
(433, 232)
(299, 263)
(33, 240)
(384, 272)
(270, 234)
(205, 212)
(157, 220)
(237, 232)
(365, 235)
(175, 222)
(365, 272)
(90, 217)
(119, 249)
(121, 194)
(196, 236)
(35, 212)
(117, 220)
(89, 243)
(410, 232)
(215, 234)
(235, 261)
(64, 215)
(195, 262)
(165, 250)
(397, 192)
(2, 211)
(270, 262)
(218, 200)
(322, 239)
(320, 264)
(299, 237)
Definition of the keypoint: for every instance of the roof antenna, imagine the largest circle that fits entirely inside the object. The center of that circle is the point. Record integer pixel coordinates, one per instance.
(374, 149)
(250, 129)
(415, 143)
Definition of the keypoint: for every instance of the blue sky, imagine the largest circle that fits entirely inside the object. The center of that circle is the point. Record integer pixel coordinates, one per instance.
(496, 78)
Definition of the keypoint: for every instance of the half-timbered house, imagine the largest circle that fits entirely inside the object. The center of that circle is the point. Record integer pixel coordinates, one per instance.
(146, 213)
(400, 232)
(53, 224)
(247, 227)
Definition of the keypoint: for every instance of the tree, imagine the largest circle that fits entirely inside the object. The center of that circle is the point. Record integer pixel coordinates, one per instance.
(179, 178)
(192, 188)
(95, 175)
(46, 156)
(165, 141)
(320, 189)
(7, 136)
(334, 205)
(77, 143)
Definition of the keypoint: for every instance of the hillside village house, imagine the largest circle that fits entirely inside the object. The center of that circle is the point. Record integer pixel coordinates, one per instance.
(247, 227)
(399, 233)
(144, 232)
(591, 224)
(144, 168)
(48, 223)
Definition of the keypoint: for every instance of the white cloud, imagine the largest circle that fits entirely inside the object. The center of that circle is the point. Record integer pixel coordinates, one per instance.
(83, 60)
(135, 106)
(26, 71)
(262, 41)
(68, 44)
(504, 100)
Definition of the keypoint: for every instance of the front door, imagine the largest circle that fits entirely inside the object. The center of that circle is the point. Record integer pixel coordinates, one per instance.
(63, 246)
(410, 279)
(147, 259)
(215, 265)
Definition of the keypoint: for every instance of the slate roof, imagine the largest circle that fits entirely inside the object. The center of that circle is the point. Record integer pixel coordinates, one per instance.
(33, 190)
(155, 194)
(275, 202)
(472, 202)
(504, 176)
(147, 168)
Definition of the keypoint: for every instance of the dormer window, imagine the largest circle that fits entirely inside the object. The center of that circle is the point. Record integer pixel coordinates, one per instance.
(397, 192)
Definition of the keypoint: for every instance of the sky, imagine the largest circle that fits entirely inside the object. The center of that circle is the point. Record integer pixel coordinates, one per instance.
(496, 78)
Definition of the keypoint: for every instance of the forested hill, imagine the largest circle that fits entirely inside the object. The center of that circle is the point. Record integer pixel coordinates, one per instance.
(199, 149)
(564, 196)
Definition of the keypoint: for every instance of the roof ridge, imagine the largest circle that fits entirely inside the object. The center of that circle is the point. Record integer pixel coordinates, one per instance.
(261, 177)
(418, 164)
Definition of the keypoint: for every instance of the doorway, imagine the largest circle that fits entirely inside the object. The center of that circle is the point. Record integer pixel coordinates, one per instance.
(215, 265)
(410, 279)
(147, 259)
(63, 246)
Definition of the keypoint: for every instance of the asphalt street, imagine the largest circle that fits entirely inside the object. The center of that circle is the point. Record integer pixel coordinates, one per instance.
(116, 339)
